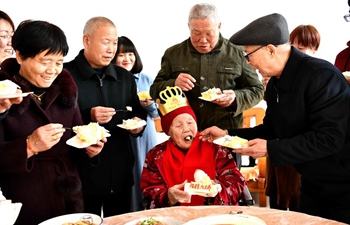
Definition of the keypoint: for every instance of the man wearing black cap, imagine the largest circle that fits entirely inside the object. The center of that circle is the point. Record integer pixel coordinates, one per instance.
(307, 117)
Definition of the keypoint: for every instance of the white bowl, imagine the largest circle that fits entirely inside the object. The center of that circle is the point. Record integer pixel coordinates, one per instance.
(9, 212)
(227, 219)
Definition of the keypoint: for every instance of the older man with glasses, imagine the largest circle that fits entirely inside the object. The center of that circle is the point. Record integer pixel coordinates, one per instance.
(246, 56)
(307, 121)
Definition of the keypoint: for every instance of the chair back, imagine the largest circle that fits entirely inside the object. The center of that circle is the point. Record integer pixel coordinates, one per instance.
(158, 125)
(255, 113)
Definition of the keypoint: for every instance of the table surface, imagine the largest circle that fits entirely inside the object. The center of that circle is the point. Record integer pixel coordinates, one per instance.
(187, 213)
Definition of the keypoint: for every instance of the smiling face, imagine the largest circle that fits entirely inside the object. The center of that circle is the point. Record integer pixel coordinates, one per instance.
(182, 130)
(125, 60)
(204, 34)
(6, 33)
(41, 70)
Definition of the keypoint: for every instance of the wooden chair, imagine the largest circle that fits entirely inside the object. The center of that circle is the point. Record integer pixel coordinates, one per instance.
(256, 114)
(158, 125)
(258, 185)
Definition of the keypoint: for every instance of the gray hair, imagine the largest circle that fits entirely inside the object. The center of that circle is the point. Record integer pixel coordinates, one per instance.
(92, 24)
(204, 11)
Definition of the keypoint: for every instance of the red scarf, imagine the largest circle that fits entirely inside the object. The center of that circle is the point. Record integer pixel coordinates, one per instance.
(180, 165)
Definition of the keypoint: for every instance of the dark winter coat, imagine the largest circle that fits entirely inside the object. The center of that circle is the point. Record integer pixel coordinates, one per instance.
(47, 184)
(307, 124)
(113, 172)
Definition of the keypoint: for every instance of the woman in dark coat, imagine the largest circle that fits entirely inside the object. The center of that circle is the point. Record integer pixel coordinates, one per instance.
(37, 167)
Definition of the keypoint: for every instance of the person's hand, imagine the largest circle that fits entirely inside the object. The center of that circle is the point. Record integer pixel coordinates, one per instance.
(226, 100)
(175, 194)
(185, 81)
(44, 137)
(146, 102)
(257, 148)
(101, 114)
(137, 130)
(214, 192)
(212, 133)
(95, 149)
(6, 103)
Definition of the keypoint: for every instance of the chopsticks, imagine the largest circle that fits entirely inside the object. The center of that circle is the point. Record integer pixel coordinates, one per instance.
(122, 110)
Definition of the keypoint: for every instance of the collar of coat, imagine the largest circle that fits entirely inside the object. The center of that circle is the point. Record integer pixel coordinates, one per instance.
(87, 71)
(63, 87)
(288, 76)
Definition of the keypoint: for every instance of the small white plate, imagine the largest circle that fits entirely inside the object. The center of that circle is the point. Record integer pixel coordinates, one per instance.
(144, 95)
(221, 141)
(72, 218)
(227, 219)
(167, 220)
(212, 99)
(77, 143)
(16, 95)
(139, 124)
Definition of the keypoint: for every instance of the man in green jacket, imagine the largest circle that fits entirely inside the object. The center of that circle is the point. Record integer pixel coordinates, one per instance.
(207, 60)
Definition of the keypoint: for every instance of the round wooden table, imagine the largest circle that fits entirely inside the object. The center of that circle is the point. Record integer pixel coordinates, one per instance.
(187, 213)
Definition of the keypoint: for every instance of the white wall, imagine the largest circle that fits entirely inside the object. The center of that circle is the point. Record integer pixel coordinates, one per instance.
(155, 25)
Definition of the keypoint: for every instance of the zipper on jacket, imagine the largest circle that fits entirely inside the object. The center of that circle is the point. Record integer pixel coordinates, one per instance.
(101, 85)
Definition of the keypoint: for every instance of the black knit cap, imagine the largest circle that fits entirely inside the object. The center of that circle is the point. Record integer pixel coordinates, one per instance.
(270, 29)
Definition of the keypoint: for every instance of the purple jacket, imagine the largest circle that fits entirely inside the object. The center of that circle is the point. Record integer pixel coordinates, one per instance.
(46, 184)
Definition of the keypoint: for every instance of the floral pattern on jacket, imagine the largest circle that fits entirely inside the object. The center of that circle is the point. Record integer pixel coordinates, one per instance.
(155, 188)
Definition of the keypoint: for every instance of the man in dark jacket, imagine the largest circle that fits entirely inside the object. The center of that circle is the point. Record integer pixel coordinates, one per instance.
(105, 91)
(307, 120)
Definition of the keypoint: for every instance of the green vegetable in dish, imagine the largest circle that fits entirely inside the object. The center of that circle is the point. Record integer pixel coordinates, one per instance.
(150, 221)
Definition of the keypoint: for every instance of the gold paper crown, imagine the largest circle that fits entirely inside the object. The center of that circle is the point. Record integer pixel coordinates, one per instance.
(172, 98)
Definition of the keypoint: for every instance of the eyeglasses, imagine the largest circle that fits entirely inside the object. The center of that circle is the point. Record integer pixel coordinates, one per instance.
(5, 37)
(246, 56)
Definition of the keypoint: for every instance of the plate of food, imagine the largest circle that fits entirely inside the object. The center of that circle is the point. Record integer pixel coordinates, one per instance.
(227, 219)
(231, 141)
(87, 135)
(8, 90)
(346, 74)
(211, 94)
(9, 210)
(202, 185)
(74, 219)
(131, 124)
(144, 95)
(157, 220)
(16, 95)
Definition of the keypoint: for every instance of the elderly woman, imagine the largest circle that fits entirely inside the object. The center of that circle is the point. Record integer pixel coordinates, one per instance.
(37, 167)
(171, 164)
(7, 28)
